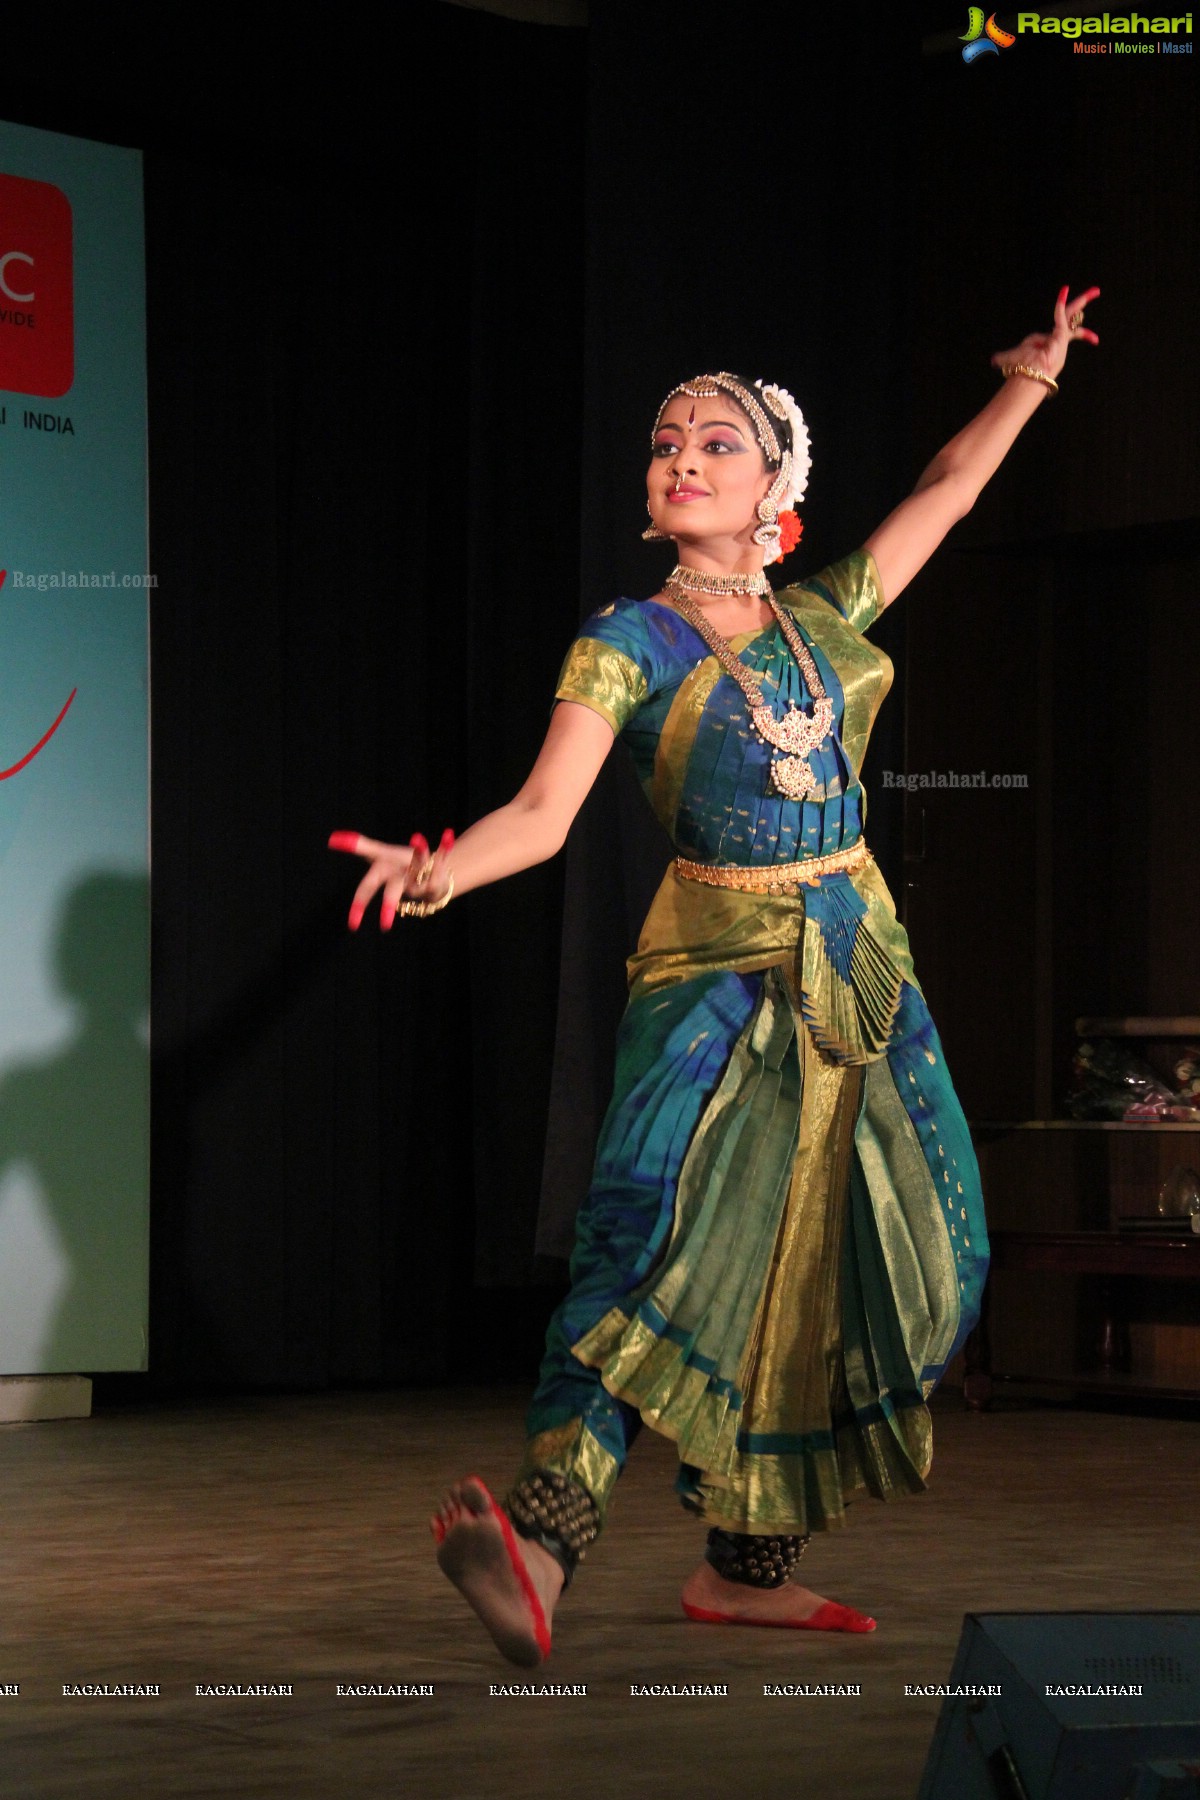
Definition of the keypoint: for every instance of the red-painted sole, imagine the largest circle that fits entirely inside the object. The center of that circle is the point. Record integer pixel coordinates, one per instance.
(829, 1617)
(537, 1617)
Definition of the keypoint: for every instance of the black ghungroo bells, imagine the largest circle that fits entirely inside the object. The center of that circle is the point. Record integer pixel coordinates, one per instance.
(761, 1562)
(552, 1510)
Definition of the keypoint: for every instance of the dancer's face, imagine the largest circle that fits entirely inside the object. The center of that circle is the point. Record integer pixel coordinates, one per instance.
(707, 473)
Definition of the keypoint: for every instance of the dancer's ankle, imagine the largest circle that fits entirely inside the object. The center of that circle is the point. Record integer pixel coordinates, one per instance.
(556, 1516)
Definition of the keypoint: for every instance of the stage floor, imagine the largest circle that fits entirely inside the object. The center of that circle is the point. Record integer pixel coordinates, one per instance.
(283, 1542)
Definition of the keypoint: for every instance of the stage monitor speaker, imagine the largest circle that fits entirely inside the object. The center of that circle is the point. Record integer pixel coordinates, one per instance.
(1070, 1706)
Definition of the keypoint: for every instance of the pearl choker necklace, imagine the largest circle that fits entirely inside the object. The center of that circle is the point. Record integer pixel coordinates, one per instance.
(703, 581)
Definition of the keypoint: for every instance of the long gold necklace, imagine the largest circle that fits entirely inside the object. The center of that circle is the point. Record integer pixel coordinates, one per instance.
(794, 737)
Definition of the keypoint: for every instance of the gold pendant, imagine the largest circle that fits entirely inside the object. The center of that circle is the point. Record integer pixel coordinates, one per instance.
(796, 734)
(792, 777)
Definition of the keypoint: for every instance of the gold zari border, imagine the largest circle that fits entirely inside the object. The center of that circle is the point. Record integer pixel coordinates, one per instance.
(571, 1450)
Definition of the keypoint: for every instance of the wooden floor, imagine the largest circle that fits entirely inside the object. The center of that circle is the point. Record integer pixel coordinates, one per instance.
(284, 1541)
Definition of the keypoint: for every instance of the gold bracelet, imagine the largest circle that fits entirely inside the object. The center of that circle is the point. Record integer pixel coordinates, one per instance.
(423, 909)
(1007, 369)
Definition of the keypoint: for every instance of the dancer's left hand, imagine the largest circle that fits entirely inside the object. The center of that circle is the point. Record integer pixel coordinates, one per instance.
(1047, 350)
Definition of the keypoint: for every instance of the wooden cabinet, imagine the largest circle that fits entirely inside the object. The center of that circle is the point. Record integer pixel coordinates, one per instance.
(1078, 1299)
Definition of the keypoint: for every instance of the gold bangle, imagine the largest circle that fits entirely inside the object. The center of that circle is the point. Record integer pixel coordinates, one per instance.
(423, 909)
(1007, 369)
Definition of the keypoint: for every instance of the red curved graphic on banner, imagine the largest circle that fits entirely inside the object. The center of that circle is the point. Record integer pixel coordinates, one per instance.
(45, 739)
(42, 741)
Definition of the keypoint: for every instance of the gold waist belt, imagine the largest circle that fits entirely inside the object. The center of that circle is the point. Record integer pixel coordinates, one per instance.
(776, 878)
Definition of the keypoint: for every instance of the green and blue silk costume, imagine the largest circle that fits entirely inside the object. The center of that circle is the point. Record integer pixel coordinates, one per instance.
(784, 1243)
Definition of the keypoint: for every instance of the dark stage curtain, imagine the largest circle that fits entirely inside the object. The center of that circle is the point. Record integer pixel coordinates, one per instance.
(365, 505)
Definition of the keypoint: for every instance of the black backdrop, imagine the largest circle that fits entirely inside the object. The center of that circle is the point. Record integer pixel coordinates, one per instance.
(376, 533)
(386, 283)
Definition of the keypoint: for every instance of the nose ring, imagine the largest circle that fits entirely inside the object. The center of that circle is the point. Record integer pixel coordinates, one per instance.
(678, 483)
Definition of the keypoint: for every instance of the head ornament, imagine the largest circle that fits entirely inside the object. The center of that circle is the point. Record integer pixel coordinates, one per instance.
(783, 439)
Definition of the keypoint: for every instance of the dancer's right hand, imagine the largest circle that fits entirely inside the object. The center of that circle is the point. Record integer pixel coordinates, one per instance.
(395, 869)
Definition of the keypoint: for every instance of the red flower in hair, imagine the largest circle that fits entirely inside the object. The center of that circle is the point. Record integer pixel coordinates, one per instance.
(791, 529)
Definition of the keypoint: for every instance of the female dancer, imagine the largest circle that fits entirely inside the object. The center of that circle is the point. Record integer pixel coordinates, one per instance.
(783, 1246)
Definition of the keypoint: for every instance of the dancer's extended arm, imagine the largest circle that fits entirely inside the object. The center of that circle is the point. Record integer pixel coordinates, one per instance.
(950, 486)
(528, 830)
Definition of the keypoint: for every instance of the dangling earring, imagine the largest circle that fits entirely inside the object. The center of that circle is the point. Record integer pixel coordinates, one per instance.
(652, 534)
(767, 533)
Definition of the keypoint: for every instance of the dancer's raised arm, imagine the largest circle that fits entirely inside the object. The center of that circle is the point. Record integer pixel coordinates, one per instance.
(952, 483)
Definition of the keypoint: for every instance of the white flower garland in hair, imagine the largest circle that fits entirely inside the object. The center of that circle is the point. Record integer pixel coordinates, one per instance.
(801, 443)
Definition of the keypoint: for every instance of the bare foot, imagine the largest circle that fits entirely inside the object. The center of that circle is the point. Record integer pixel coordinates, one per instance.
(709, 1597)
(512, 1583)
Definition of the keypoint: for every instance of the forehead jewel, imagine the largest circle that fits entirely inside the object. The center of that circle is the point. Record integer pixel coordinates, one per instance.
(707, 387)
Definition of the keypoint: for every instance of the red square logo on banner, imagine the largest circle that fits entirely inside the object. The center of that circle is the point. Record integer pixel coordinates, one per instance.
(37, 312)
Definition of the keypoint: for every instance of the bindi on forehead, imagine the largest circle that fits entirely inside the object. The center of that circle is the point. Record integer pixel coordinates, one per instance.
(704, 414)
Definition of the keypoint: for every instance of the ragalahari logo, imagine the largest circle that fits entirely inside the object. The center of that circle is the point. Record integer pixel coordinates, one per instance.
(37, 307)
(29, 755)
(980, 39)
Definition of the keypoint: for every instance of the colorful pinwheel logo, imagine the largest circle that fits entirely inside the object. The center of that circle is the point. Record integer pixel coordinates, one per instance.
(982, 39)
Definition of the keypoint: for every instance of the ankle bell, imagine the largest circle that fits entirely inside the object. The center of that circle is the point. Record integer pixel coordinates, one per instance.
(760, 1562)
